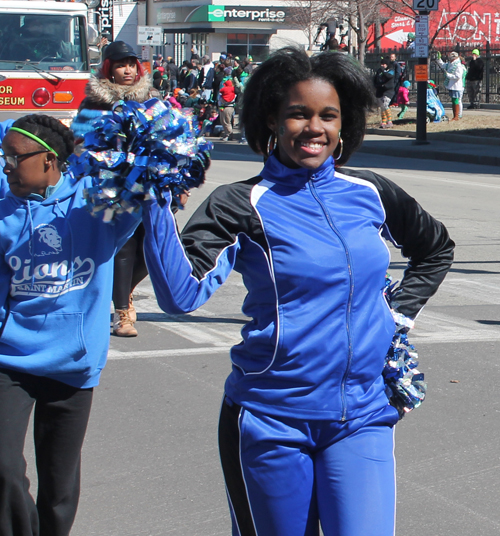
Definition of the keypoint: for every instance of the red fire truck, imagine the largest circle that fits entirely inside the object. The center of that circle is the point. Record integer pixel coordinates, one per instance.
(44, 57)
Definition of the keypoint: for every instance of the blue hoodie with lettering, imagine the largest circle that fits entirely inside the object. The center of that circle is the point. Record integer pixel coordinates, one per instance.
(56, 277)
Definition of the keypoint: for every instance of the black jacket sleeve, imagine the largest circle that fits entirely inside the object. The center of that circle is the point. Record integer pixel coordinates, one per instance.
(421, 238)
(217, 222)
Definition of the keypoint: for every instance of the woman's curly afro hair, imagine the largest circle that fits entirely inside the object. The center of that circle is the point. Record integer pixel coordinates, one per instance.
(268, 88)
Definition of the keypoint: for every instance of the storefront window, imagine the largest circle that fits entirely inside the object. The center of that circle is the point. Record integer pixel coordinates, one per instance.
(258, 39)
(179, 48)
(259, 53)
(237, 39)
(242, 45)
(200, 41)
(238, 50)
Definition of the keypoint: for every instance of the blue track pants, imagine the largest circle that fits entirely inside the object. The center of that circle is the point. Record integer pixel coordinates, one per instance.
(284, 476)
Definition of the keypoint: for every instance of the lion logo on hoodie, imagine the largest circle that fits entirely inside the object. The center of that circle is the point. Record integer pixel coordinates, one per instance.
(47, 240)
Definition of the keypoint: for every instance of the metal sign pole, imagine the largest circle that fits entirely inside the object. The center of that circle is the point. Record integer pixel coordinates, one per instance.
(421, 74)
(421, 69)
(150, 21)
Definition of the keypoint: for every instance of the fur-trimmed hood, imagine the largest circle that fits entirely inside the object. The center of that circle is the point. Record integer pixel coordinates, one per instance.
(101, 91)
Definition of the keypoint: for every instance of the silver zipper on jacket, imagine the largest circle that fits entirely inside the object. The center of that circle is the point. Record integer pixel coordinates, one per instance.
(349, 302)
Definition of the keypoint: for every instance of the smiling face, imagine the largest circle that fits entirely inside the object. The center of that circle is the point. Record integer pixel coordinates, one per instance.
(308, 124)
(124, 72)
(34, 173)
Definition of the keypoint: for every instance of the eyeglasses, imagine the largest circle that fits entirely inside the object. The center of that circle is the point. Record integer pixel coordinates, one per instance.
(12, 160)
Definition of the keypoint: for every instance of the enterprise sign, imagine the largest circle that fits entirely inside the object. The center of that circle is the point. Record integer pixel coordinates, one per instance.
(216, 13)
(105, 10)
(255, 14)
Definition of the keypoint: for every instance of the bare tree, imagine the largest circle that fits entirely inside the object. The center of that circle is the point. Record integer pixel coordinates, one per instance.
(309, 15)
(361, 15)
(454, 12)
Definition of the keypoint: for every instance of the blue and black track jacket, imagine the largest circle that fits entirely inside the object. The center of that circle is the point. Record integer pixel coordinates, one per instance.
(309, 246)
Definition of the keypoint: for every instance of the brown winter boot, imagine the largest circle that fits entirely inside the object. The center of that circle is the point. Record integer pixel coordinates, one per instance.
(456, 111)
(131, 309)
(122, 324)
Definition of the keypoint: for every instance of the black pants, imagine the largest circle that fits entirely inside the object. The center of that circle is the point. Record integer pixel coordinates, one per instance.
(60, 422)
(130, 269)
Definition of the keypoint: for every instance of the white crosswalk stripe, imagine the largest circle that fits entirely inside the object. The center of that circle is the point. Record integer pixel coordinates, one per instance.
(434, 327)
(180, 325)
(487, 290)
(431, 326)
(178, 352)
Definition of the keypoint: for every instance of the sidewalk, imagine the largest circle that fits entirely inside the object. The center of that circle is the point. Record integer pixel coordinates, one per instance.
(450, 145)
(441, 146)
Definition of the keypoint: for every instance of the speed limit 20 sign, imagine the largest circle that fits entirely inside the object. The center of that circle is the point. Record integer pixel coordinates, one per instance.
(425, 5)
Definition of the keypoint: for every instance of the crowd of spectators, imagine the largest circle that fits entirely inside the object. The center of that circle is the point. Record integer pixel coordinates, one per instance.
(212, 89)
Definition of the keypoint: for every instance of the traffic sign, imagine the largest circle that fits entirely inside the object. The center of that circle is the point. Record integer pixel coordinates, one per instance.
(425, 5)
(421, 73)
(149, 35)
(422, 51)
(422, 25)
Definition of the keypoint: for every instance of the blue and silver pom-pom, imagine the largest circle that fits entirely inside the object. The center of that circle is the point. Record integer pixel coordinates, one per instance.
(138, 149)
(404, 384)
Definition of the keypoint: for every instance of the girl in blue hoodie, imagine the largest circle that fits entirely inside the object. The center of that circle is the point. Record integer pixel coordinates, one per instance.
(55, 290)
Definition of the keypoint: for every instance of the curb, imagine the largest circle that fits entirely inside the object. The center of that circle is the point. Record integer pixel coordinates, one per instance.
(429, 154)
(437, 136)
(407, 149)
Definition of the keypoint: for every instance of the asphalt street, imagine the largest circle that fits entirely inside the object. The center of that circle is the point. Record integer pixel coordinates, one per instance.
(150, 460)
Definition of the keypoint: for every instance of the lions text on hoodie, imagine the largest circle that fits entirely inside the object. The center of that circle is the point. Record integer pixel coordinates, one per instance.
(56, 271)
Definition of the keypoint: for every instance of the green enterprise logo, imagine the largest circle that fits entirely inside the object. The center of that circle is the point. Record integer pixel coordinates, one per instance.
(216, 13)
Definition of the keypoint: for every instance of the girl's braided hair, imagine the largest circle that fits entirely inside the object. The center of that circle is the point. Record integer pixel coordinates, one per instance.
(52, 132)
(269, 84)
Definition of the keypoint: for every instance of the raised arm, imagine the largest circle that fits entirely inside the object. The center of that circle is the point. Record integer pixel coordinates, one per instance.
(187, 270)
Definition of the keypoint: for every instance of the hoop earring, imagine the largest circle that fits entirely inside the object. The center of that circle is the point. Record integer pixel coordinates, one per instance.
(341, 143)
(271, 143)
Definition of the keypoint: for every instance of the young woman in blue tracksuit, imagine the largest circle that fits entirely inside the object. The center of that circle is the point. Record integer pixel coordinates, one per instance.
(306, 429)
(55, 289)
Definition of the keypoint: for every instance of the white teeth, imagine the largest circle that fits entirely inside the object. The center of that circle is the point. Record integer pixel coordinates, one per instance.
(312, 145)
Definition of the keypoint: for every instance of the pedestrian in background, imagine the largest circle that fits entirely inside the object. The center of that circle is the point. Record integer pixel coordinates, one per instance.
(121, 78)
(306, 428)
(206, 78)
(384, 91)
(453, 81)
(474, 80)
(398, 76)
(403, 98)
(173, 73)
(158, 61)
(190, 80)
(240, 79)
(226, 102)
(218, 77)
